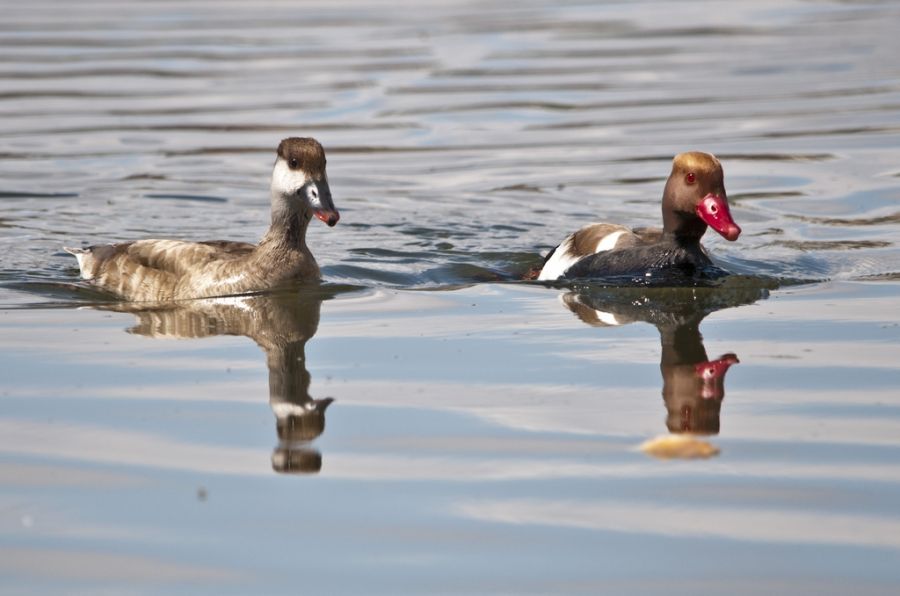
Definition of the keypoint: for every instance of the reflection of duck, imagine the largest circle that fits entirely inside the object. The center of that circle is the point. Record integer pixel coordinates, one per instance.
(693, 385)
(158, 270)
(694, 198)
(280, 324)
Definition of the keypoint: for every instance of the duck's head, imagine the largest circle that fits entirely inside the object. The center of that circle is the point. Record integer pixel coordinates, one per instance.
(299, 179)
(695, 198)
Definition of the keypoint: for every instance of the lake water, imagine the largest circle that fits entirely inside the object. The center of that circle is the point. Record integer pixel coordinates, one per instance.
(484, 435)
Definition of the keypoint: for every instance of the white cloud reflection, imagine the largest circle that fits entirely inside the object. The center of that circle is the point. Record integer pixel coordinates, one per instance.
(732, 523)
(98, 445)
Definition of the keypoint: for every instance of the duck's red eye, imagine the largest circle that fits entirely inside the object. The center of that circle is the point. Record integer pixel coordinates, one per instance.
(690, 178)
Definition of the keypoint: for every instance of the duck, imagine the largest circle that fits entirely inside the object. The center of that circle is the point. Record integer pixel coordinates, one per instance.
(694, 198)
(165, 270)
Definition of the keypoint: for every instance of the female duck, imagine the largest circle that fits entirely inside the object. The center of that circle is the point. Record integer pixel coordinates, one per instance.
(694, 198)
(160, 270)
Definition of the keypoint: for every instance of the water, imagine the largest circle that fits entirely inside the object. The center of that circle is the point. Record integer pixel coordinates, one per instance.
(486, 435)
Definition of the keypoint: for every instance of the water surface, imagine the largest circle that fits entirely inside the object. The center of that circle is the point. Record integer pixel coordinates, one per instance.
(423, 422)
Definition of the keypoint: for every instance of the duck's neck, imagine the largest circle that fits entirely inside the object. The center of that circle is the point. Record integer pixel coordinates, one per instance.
(684, 230)
(679, 226)
(682, 343)
(287, 231)
(282, 253)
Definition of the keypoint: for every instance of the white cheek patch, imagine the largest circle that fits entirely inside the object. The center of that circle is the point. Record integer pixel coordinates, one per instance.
(285, 180)
(313, 196)
(283, 409)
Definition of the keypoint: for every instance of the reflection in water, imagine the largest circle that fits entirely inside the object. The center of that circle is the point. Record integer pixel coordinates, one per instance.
(280, 324)
(693, 385)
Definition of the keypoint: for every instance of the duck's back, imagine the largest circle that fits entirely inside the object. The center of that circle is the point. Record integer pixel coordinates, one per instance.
(589, 240)
(157, 270)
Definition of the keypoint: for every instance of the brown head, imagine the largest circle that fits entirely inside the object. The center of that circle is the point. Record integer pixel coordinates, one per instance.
(695, 198)
(300, 174)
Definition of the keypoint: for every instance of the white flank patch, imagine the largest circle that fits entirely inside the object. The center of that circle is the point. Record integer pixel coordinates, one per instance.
(608, 242)
(563, 258)
(607, 318)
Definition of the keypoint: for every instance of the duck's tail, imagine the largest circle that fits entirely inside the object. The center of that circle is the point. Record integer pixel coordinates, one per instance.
(82, 255)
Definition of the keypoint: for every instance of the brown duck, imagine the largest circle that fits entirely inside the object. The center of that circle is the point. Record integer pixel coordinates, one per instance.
(162, 270)
(694, 198)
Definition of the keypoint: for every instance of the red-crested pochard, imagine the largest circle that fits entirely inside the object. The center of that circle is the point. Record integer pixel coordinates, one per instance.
(161, 270)
(694, 198)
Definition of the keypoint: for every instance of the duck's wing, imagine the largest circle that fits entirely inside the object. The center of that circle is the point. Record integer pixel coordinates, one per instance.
(589, 240)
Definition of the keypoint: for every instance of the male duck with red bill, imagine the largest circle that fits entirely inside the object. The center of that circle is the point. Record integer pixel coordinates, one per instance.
(694, 199)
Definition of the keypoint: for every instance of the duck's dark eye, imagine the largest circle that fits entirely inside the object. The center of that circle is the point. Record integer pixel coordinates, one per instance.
(690, 178)
(294, 163)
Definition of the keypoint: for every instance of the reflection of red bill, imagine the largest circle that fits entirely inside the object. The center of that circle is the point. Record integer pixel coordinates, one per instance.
(713, 375)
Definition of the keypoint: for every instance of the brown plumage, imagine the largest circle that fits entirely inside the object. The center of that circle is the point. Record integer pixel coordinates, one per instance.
(303, 154)
(162, 270)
